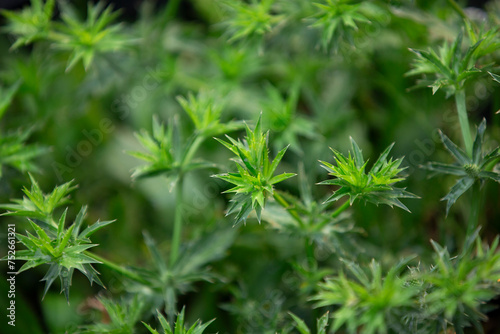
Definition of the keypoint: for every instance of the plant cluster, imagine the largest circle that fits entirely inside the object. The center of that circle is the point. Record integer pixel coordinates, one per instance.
(144, 115)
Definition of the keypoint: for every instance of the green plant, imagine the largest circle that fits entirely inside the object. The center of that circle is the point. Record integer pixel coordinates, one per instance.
(371, 302)
(375, 187)
(64, 249)
(468, 169)
(255, 179)
(275, 86)
(196, 328)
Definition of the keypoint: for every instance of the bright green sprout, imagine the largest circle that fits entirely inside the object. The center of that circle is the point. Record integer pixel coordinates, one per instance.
(337, 18)
(469, 169)
(180, 328)
(370, 303)
(375, 187)
(31, 24)
(254, 182)
(249, 20)
(87, 39)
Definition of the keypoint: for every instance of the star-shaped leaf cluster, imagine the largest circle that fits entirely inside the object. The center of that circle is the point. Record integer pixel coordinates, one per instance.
(479, 167)
(205, 111)
(86, 39)
(252, 19)
(166, 153)
(254, 181)
(30, 24)
(375, 186)
(451, 67)
(37, 205)
(337, 18)
(62, 248)
(368, 300)
(460, 285)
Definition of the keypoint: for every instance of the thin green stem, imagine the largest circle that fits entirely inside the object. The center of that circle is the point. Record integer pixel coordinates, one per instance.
(474, 209)
(458, 9)
(464, 120)
(340, 209)
(309, 247)
(285, 205)
(176, 235)
(111, 265)
(179, 199)
(192, 150)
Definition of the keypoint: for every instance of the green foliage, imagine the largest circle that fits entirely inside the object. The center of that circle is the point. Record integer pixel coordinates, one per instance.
(468, 169)
(197, 328)
(164, 150)
(375, 187)
(250, 20)
(7, 95)
(321, 325)
(31, 24)
(205, 111)
(123, 316)
(289, 128)
(318, 72)
(165, 282)
(451, 67)
(370, 303)
(87, 39)
(337, 19)
(460, 285)
(254, 182)
(38, 205)
(16, 153)
(64, 249)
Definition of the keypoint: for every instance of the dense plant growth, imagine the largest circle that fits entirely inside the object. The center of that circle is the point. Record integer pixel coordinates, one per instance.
(144, 113)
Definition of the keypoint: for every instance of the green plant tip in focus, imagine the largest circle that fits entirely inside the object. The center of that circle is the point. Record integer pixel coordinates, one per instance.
(254, 181)
(375, 187)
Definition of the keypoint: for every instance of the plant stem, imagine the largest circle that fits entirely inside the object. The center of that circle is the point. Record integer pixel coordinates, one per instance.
(309, 247)
(285, 205)
(458, 9)
(340, 209)
(474, 209)
(179, 199)
(464, 120)
(125, 272)
(192, 150)
(176, 235)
